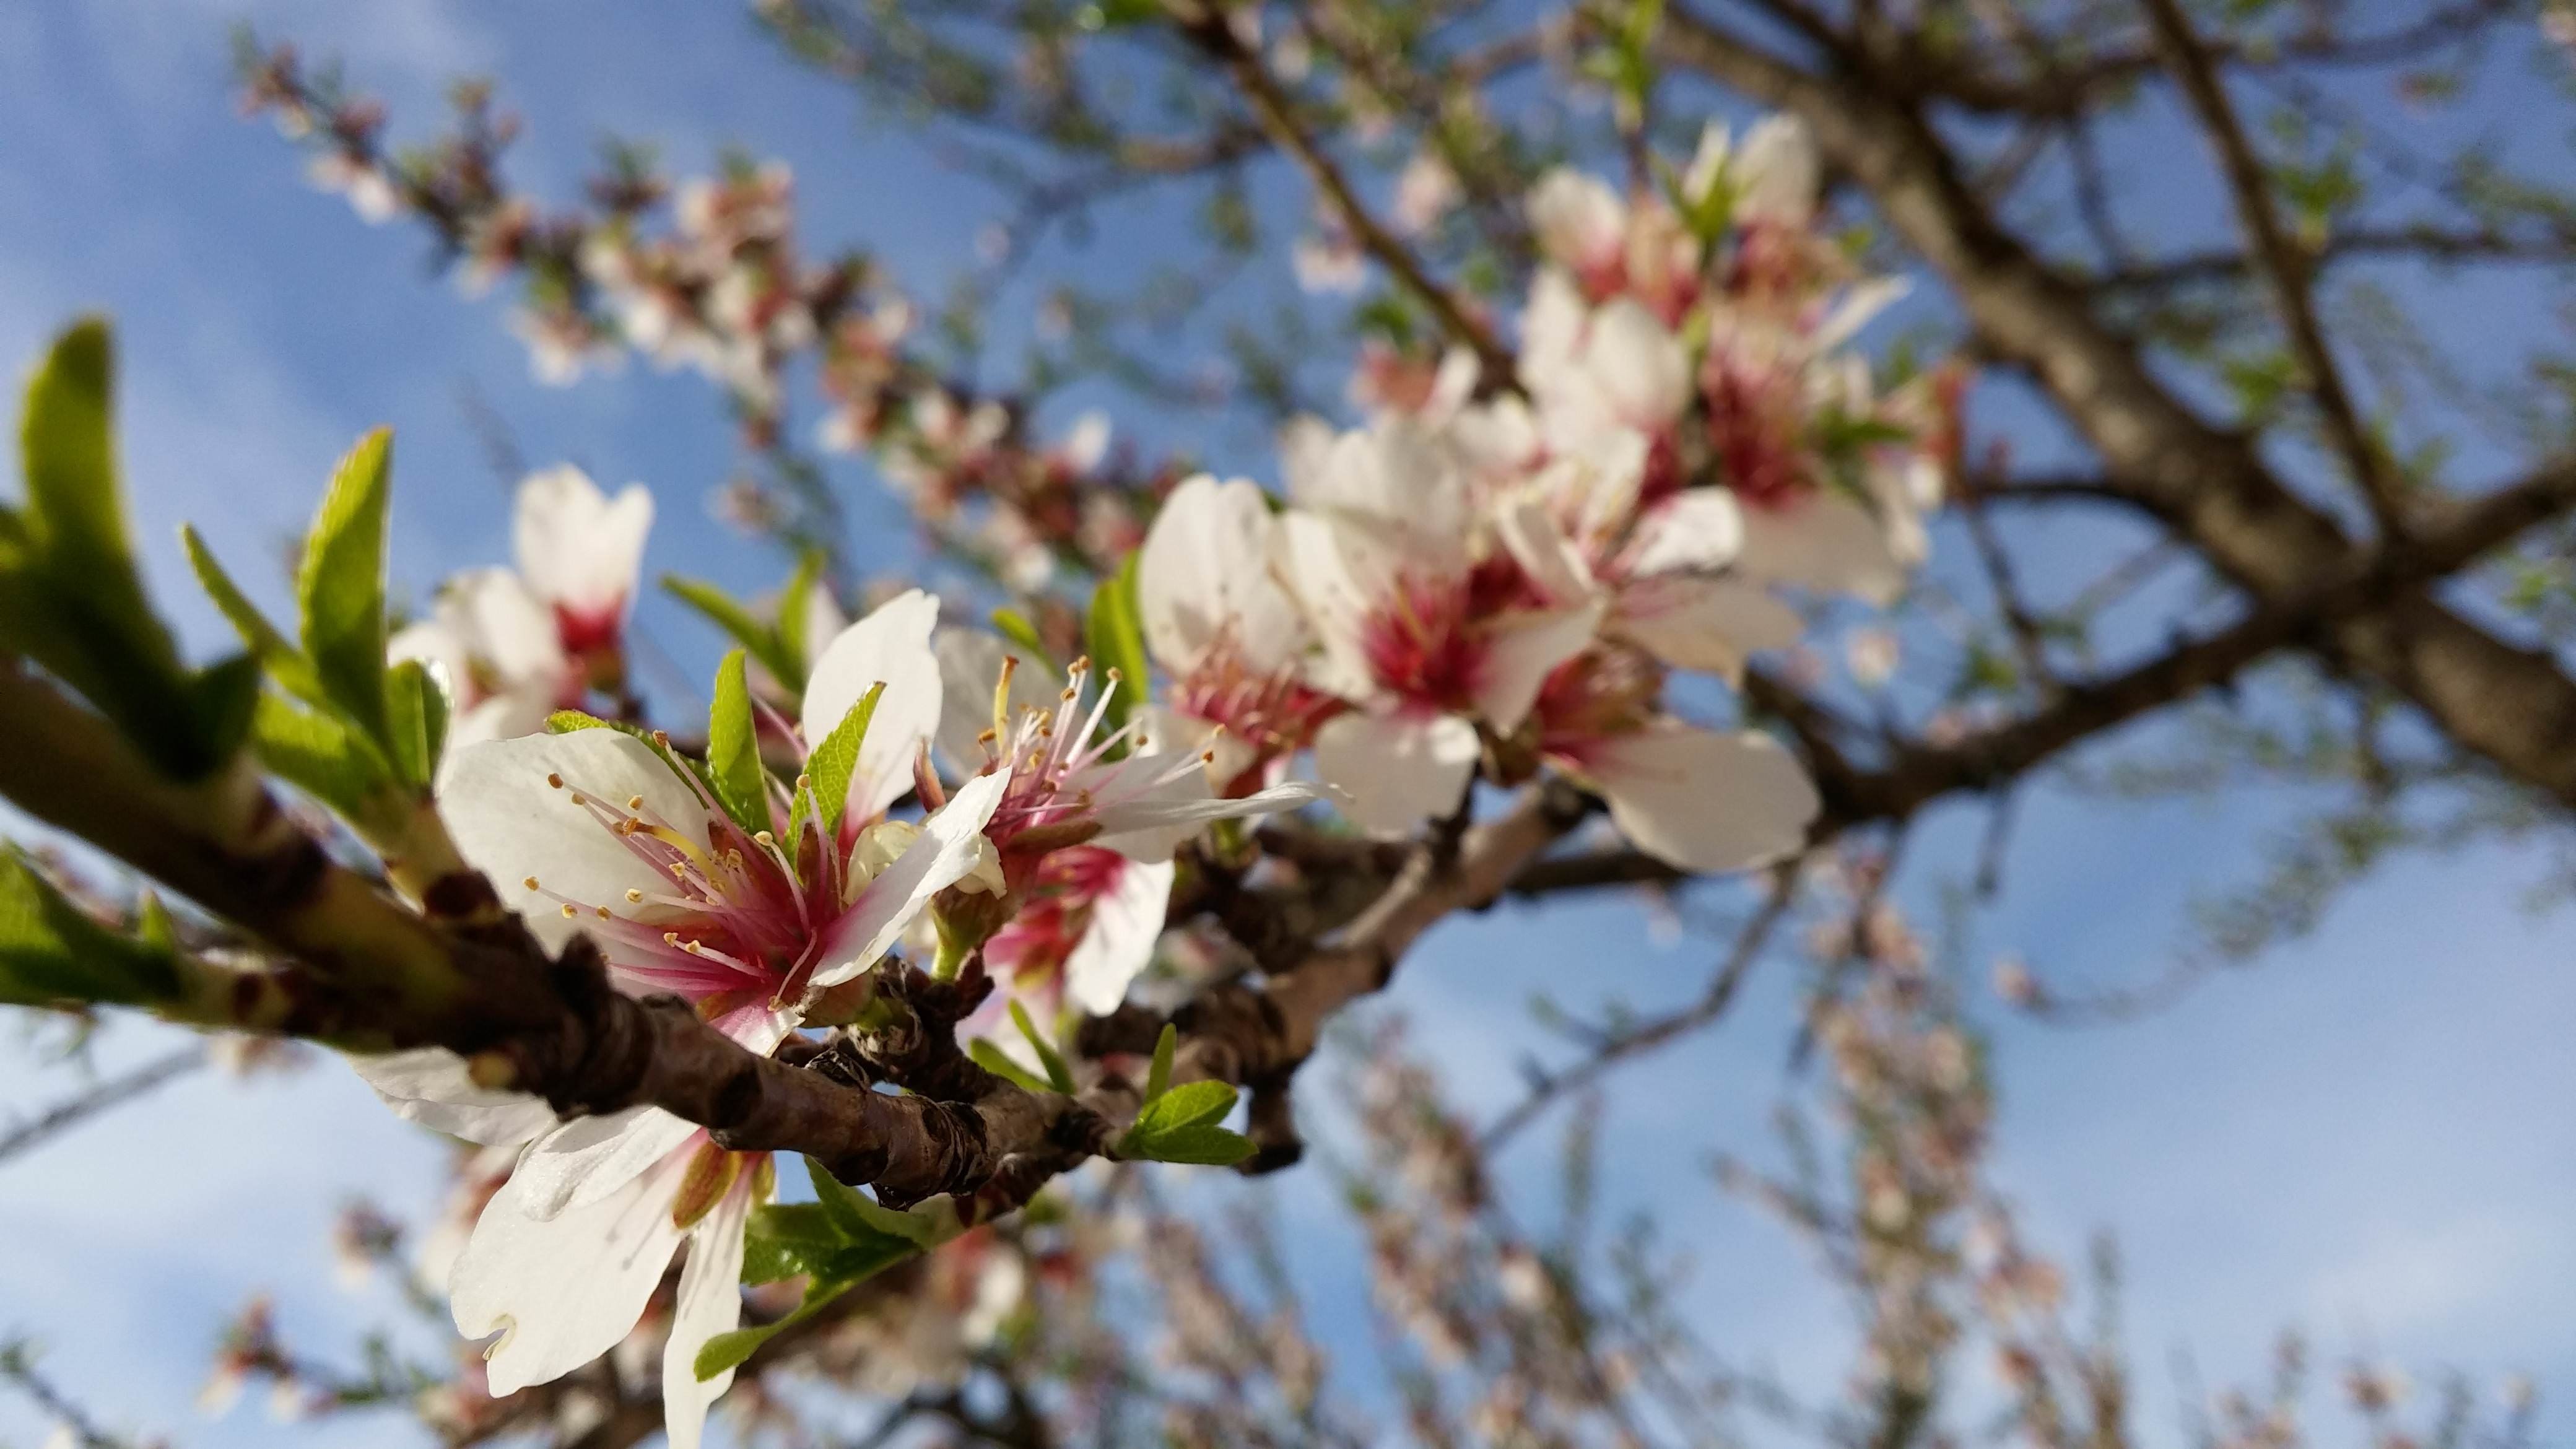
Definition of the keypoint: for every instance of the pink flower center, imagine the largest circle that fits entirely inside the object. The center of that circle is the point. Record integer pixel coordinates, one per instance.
(737, 920)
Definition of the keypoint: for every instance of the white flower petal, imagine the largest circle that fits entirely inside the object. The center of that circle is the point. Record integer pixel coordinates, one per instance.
(1521, 652)
(589, 1158)
(1825, 543)
(1711, 625)
(970, 661)
(430, 1086)
(1552, 564)
(513, 826)
(1203, 578)
(710, 1303)
(1775, 172)
(1638, 364)
(508, 629)
(1702, 800)
(575, 546)
(1148, 825)
(562, 1291)
(1397, 770)
(948, 847)
(891, 645)
(1697, 529)
(1126, 921)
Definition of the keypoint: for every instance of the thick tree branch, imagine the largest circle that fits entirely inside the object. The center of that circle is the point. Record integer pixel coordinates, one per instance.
(2509, 704)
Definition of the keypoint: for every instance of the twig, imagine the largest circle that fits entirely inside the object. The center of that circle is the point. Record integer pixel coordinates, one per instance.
(2291, 269)
(1659, 1031)
(115, 1091)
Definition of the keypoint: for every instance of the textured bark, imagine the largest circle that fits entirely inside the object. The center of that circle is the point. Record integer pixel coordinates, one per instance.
(2510, 705)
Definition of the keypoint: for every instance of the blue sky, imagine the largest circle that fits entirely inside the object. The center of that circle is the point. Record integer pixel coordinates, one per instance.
(2366, 1136)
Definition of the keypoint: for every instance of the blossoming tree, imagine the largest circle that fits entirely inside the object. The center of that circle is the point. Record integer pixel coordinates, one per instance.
(975, 899)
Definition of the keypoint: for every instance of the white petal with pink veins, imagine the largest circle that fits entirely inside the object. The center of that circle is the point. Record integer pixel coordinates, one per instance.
(709, 1304)
(576, 546)
(890, 646)
(513, 827)
(1521, 652)
(1711, 625)
(1703, 800)
(1126, 921)
(1397, 770)
(562, 1291)
(947, 849)
(1825, 543)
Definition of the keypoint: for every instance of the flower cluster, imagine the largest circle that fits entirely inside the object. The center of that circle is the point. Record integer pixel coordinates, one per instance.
(1468, 587)
(707, 274)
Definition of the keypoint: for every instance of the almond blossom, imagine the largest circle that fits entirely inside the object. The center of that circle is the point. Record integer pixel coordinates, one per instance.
(516, 646)
(1226, 632)
(1425, 630)
(615, 838)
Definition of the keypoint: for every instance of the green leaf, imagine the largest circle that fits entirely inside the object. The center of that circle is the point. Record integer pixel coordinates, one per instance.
(784, 1240)
(993, 1059)
(728, 1350)
(753, 634)
(1199, 1147)
(733, 748)
(790, 628)
(73, 596)
(1158, 1077)
(277, 654)
(859, 1217)
(52, 952)
(341, 587)
(226, 693)
(320, 756)
(416, 714)
(1191, 1104)
(1015, 626)
(1057, 1076)
(1115, 635)
(832, 762)
(75, 501)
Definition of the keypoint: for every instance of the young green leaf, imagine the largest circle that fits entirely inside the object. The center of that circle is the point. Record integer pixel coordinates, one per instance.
(341, 587)
(733, 749)
(858, 1216)
(74, 597)
(991, 1058)
(1015, 626)
(1058, 1078)
(792, 617)
(786, 1239)
(75, 500)
(416, 714)
(320, 756)
(277, 654)
(1115, 634)
(836, 758)
(754, 635)
(1201, 1146)
(1158, 1077)
(1191, 1104)
(52, 952)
